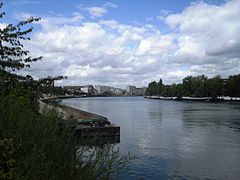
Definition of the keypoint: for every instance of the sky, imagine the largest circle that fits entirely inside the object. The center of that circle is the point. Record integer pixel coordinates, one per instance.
(122, 42)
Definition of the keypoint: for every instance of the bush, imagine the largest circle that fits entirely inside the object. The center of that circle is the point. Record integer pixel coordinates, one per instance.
(35, 145)
(38, 147)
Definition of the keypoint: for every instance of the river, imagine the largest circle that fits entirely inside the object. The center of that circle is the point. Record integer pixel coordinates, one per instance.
(171, 139)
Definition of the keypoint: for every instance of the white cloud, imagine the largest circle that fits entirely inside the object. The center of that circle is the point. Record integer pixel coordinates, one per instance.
(53, 21)
(97, 11)
(163, 14)
(2, 25)
(207, 34)
(110, 4)
(91, 51)
(155, 45)
(203, 39)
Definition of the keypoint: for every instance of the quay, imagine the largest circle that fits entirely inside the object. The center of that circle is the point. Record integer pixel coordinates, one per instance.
(180, 98)
(90, 124)
(86, 124)
(221, 98)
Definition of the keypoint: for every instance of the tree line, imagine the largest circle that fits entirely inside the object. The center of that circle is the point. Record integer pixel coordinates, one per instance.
(198, 86)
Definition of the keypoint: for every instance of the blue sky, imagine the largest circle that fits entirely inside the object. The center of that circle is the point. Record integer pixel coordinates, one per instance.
(133, 11)
(124, 42)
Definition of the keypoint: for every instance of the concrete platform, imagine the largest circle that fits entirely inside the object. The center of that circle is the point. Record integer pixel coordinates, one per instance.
(90, 124)
(86, 124)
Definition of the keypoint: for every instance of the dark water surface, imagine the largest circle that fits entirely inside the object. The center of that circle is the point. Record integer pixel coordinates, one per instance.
(173, 140)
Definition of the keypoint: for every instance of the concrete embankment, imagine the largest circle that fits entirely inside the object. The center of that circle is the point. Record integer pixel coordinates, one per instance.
(90, 124)
(86, 124)
(222, 98)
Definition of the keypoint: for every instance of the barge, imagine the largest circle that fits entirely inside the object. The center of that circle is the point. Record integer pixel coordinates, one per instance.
(85, 124)
(90, 124)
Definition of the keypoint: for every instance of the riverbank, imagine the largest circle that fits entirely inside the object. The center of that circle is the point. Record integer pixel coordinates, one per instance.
(206, 99)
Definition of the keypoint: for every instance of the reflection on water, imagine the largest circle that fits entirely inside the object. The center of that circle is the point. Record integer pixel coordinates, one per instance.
(186, 140)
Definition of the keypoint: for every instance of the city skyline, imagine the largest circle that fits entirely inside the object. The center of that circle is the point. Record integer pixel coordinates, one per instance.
(104, 90)
(120, 42)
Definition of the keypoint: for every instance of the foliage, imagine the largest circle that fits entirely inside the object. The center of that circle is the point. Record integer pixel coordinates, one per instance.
(40, 146)
(35, 147)
(101, 162)
(152, 88)
(215, 86)
(13, 57)
(198, 86)
(12, 54)
(47, 85)
(232, 86)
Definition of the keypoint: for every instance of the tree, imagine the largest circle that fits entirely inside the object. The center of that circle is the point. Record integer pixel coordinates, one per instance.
(160, 88)
(232, 86)
(188, 86)
(152, 88)
(198, 86)
(177, 90)
(33, 145)
(215, 86)
(13, 56)
(195, 86)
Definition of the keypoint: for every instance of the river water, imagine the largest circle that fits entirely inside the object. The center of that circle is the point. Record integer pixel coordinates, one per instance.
(171, 139)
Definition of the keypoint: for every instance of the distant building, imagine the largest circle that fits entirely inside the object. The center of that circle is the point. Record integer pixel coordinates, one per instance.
(133, 90)
(117, 91)
(89, 89)
(144, 90)
(139, 91)
(73, 89)
(103, 89)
